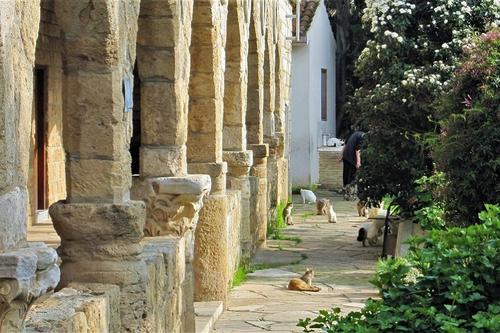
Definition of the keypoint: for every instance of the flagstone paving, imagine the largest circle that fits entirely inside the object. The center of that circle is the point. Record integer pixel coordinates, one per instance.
(342, 271)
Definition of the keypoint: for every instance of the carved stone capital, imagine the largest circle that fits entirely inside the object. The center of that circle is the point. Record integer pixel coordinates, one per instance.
(25, 274)
(239, 162)
(172, 203)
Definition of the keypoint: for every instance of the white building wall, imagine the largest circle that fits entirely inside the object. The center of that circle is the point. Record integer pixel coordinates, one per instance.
(300, 150)
(306, 89)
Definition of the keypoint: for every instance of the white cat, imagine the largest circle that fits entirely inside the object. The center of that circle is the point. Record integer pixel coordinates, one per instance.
(332, 216)
(307, 196)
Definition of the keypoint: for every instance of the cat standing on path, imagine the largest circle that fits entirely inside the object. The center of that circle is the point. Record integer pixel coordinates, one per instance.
(287, 214)
(304, 283)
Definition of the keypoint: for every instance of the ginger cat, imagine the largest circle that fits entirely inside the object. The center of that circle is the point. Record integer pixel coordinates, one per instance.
(304, 283)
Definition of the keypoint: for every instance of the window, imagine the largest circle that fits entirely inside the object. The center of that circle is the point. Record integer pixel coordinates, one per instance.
(324, 100)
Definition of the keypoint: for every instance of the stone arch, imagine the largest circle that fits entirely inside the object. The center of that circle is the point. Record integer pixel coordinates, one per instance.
(162, 58)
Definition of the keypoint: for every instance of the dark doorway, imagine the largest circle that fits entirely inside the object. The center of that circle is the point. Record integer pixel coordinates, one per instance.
(40, 138)
(135, 143)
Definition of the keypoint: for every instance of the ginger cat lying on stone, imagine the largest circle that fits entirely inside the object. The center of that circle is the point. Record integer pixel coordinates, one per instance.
(304, 283)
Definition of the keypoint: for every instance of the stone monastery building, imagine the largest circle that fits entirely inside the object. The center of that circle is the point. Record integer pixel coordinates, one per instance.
(155, 134)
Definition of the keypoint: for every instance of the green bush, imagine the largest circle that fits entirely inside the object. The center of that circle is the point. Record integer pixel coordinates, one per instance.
(450, 282)
(468, 150)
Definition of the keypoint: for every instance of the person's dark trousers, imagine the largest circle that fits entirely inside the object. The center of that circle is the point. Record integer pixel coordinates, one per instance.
(349, 173)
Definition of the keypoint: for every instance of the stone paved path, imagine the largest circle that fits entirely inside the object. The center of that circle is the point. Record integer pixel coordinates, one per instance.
(342, 267)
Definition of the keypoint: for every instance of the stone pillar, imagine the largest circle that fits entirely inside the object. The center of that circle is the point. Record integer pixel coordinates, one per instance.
(173, 199)
(162, 58)
(100, 228)
(259, 170)
(236, 155)
(205, 143)
(282, 97)
(254, 122)
(269, 106)
(26, 270)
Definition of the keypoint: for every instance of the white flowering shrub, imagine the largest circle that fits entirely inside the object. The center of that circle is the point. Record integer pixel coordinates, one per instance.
(406, 66)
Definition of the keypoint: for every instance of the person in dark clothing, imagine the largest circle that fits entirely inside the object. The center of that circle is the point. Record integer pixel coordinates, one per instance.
(351, 156)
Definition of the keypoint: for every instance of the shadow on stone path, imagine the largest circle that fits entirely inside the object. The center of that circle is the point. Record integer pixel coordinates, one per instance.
(342, 268)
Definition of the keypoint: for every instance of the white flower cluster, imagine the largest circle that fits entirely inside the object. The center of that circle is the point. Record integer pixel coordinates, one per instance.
(379, 12)
(417, 77)
(394, 35)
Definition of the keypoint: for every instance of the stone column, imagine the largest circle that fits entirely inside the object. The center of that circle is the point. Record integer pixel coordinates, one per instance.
(162, 58)
(269, 106)
(26, 270)
(254, 122)
(282, 99)
(236, 155)
(100, 228)
(204, 149)
(173, 198)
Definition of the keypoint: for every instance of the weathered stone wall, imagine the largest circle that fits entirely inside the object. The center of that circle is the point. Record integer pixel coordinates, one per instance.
(76, 309)
(49, 57)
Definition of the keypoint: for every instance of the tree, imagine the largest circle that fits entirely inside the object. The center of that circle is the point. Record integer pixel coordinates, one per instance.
(345, 17)
(468, 151)
(404, 69)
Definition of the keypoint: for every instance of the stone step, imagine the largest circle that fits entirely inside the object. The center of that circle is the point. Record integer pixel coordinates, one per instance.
(207, 314)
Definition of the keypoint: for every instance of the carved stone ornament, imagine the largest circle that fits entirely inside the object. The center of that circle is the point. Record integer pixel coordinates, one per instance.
(172, 208)
(25, 274)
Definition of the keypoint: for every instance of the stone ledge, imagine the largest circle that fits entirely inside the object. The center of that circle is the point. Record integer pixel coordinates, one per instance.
(207, 314)
(190, 184)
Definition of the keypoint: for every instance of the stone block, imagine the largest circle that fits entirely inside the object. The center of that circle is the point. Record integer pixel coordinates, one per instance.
(190, 184)
(156, 63)
(95, 125)
(172, 249)
(216, 171)
(20, 264)
(13, 208)
(259, 150)
(163, 161)
(77, 309)
(211, 256)
(234, 137)
(163, 121)
(98, 180)
(156, 31)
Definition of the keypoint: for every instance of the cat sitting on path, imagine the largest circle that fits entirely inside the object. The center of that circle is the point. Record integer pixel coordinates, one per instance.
(304, 283)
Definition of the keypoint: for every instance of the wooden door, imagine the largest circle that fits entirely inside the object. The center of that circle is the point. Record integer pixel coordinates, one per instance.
(40, 139)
